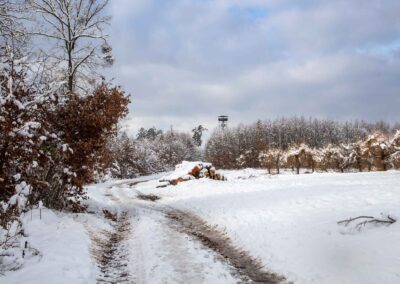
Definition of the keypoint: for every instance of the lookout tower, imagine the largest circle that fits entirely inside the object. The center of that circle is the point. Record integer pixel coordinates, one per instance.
(223, 121)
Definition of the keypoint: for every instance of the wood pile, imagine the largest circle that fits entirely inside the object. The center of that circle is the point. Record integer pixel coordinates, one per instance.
(197, 172)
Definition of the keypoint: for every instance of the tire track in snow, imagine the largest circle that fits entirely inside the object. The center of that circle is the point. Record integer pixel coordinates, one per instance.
(246, 267)
(168, 256)
(138, 267)
(243, 266)
(179, 254)
(109, 251)
(171, 257)
(177, 230)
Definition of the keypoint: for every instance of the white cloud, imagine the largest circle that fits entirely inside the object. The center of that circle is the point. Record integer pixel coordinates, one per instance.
(187, 61)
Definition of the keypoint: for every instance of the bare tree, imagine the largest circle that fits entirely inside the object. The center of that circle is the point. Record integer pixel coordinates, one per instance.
(6, 17)
(13, 35)
(77, 28)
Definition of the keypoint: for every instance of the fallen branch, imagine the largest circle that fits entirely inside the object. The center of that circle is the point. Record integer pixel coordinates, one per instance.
(348, 221)
(370, 220)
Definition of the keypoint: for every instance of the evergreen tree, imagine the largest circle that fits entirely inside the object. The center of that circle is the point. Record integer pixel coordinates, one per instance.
(198, 134)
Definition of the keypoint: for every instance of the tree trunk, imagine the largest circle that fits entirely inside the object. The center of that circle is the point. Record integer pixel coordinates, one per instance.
(70, 70)
(359, 165)
(383, 160)
(70, 83)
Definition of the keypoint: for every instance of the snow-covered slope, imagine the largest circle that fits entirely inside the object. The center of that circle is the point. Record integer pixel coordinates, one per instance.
(290, 221)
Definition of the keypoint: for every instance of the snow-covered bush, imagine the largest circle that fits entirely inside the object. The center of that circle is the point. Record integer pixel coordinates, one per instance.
(49, 149)
(83, 126)
(376, 151)
(222, 149)
(132, 158)
(272, 159)
(353, 156)
(236, 147)
(300, 156)
(175, 147)
(394, 144)
(22, 133)
(153, 151)
(332, 158)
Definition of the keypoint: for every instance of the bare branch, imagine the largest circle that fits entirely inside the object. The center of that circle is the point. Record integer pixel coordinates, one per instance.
(370, 220)
(76, 25)
(348, 221)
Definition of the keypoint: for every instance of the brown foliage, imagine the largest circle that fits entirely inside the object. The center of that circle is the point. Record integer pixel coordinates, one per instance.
(376, 152)
(84, 125)
(54, 147)
(300, 157)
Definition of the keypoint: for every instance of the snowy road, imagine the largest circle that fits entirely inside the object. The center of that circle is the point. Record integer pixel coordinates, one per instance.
(160, 254)
(158, 250)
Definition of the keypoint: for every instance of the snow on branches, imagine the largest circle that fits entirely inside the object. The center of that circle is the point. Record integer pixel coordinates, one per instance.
(265, 145)
(153, 151)
(78, 30)
(50, 150)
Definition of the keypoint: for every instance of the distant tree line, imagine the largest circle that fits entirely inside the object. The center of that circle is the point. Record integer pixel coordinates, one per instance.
(377, 152)
(241, 146)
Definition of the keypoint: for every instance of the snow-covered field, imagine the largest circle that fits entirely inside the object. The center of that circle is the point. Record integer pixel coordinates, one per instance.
(288, 221)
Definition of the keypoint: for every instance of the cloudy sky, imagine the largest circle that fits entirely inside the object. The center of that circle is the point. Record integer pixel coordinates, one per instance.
(187, 61)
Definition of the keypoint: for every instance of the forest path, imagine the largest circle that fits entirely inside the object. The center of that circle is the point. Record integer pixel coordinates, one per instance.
(165, 245)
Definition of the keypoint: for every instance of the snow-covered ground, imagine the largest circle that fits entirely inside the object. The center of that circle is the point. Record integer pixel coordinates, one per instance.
(64, 247)
(153, 251)
(288, 221)
(157, 252)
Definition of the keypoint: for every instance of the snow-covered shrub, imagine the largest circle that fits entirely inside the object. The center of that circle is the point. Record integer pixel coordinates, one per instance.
(236, 147)
(174, 147)
(153, 151)
(272, 159)
(222, 149)
(132, 158)
(300, 156)
(22, 133)
(52, 148)
(248, 159)
(332, 158)
(394, 157)
(83, 126)
(376, 151)
(353, 156)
